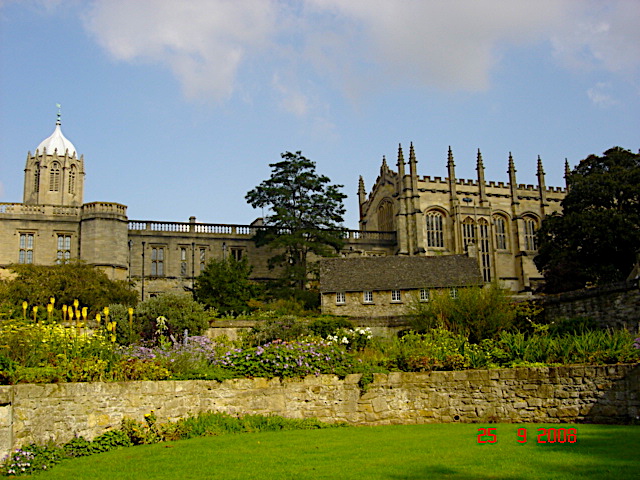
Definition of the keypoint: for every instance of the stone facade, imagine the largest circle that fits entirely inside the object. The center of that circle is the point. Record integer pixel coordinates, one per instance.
(436, 216)
(399, 217)
(373, 287)
(594, 394)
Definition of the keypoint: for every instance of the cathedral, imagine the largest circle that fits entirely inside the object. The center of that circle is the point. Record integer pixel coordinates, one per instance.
(404, 214)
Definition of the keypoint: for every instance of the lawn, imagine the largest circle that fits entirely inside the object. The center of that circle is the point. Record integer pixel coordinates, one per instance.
(399, 452)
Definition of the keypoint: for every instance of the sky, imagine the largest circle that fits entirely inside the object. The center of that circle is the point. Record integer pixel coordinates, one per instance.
(179, 107)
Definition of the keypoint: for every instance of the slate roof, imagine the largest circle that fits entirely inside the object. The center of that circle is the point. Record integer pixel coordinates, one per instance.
(397, 273)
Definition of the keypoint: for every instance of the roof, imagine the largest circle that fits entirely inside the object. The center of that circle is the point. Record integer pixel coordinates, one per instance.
(56, 141)
(398, 273)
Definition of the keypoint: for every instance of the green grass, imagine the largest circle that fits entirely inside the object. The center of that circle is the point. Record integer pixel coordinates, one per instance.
(392, 453)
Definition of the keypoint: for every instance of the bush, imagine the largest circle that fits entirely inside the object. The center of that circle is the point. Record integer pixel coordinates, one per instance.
(224, 286)
(35, 284)
(287, 328)
(181, 313)
(287, 359)
(325, 326)
(477, 313)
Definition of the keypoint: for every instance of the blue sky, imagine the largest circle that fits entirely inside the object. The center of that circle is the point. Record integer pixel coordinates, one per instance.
(179, 107)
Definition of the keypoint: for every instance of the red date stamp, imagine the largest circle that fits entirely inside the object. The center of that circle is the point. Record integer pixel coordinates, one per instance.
(544, 435)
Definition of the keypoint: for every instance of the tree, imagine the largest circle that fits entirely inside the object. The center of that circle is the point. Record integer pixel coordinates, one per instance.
(36, 284)
(225, 286)
(180, 312)
(597, 236)
(306, 215)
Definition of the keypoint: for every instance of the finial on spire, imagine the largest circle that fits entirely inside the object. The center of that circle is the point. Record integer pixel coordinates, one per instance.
(540, 170)
(480, 164)
(58, 122)
(567, 169)
(512, 167)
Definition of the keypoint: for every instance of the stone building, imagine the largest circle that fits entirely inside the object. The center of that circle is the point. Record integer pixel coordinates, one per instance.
(494, 222)
(404, 215)
(370, 287)
(53, 224)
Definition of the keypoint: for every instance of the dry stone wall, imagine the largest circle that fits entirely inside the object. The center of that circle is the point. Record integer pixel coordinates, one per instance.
(599, 394)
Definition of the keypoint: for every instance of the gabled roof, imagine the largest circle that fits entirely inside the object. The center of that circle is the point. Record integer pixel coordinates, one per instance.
(397, 273)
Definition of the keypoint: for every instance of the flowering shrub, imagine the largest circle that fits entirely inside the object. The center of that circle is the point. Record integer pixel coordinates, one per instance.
(31, 459)
(286, 359)
(636, 343)
(353, 338)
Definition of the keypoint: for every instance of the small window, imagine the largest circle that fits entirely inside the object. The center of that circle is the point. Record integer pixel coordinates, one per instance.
(157, 261)
(183, 262)
(396, 296)
(203, 258)
(237, 253)
(453, 292)
(367, 296)
(340, 298)
(424, 295)
(26, 248)
(64, 248)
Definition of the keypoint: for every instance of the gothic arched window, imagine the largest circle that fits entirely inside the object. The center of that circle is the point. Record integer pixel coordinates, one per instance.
(54, 177)
(501, 232)
(468, 232)
(484, 244)
(435, 229)
(385, 216)
(72, 179)
(36, 177)
(530, 227)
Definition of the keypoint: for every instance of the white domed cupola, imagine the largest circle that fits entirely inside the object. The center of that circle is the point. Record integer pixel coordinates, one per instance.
(54, 175)
(57, 142)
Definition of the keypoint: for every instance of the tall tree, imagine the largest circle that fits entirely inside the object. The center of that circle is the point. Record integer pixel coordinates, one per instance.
(225, 286)
(305, 215)
(597, 236)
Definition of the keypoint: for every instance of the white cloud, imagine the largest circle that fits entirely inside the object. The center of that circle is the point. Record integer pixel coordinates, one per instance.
(356, 46)
(600, 96)
(203, 42)
(604, 35)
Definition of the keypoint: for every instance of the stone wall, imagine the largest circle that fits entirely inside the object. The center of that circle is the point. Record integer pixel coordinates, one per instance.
(616, 306)
(58, 412)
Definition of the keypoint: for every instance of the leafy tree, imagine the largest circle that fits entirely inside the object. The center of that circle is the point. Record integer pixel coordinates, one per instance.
(225, 286)
(180, 312)
(596, 237)
(306, 215)
(35, 284)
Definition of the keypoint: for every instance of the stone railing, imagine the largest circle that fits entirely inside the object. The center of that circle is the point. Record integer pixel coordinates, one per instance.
(104, 207)
(22, 209)
(242, 230)
(594, 394)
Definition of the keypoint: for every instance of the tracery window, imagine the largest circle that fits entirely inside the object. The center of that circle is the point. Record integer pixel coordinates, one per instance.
(385, 216)
(435, 229)
(468, 232)
(501, 232)
(54, 177)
